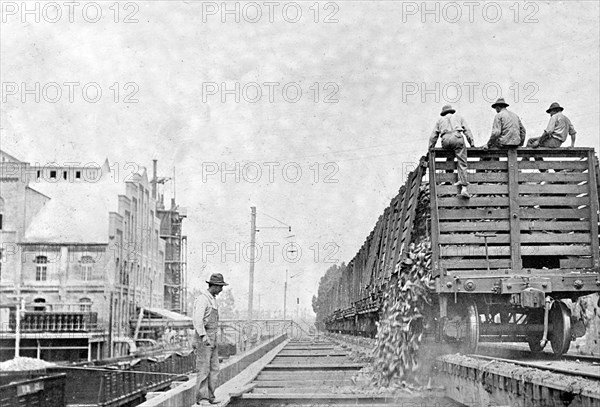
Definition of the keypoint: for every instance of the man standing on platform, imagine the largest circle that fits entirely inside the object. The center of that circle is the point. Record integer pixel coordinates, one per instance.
(453, 129)
(206, 326)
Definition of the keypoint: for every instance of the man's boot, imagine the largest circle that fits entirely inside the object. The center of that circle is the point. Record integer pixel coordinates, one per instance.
(464, 193)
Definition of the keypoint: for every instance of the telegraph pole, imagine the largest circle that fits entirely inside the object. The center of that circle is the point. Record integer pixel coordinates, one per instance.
(285, 294)
(252, 247)
(253, 231)
(20, 312)
(110, 326)
(286, 281)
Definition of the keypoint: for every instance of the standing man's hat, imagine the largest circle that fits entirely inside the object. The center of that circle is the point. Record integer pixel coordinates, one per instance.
(447, 109)
(500, 102)
(216, 279)
(555, 106)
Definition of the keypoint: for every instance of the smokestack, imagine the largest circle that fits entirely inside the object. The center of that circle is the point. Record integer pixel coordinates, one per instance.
(154, 180)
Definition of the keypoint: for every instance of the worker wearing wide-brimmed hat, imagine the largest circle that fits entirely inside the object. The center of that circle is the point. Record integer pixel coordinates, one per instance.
(559, 127)
(507, 129)
(206, 325)
(453, 129)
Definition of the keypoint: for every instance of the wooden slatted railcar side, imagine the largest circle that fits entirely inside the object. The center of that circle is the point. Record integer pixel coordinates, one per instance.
(543, 215)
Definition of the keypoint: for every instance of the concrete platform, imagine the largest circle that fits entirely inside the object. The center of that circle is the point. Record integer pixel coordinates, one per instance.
(479, 382)
(233, 374)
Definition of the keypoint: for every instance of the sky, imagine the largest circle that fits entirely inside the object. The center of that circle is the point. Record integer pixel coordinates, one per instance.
(316, 111)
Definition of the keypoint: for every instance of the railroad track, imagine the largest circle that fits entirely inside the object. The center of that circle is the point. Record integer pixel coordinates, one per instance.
(592, 359)
(307, 373)
(575, 365)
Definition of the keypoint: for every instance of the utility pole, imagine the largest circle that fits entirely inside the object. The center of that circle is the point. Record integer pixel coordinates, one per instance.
(285, 294)
(110, 326)
(20, 312)
(286, 281)
(253, 231)
(252, 247)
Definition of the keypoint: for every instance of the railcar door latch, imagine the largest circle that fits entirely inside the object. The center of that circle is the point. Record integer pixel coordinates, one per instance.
(485, 242)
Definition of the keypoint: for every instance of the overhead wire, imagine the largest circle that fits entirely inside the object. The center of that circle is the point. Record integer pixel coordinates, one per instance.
(275, 219)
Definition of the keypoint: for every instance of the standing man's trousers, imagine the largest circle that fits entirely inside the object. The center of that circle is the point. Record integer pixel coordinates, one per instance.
(455, 142)
(207, 358)
(207, 363)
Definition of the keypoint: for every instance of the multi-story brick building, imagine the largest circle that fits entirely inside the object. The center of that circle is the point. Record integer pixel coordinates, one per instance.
(82, 249)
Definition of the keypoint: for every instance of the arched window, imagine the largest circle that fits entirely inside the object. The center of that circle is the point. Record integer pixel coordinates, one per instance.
(85, 305)
(41, 268)
(87, 267)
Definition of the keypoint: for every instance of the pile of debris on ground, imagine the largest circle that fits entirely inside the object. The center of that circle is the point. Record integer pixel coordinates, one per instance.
(23, 363)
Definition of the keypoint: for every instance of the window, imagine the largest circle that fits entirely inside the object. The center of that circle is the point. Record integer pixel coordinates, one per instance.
(87, 267)
(78, 174)
(85, 305)
(127, 222)
(124, 274)
(64, 175)
(39, 174)
(40, 304)
(52, 174)
(41, 268)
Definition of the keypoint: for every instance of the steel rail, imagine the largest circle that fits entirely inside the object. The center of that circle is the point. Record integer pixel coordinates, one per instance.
(541, 367)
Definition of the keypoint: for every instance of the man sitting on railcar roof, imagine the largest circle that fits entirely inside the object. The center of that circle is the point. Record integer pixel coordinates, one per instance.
(557, 130)
(507, 129)
(452, 127)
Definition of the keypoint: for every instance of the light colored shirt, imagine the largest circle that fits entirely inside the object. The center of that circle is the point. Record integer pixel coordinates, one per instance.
(507, 130)
(447, 124)
(202, 308)
(559, 127)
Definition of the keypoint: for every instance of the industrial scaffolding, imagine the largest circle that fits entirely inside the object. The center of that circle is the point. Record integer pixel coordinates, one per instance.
(175, 258)
(175, 284)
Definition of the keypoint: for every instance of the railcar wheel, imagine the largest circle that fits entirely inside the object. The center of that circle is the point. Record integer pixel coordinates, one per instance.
(460, 328)
(471, 338)
(560, 318)
(534, 339)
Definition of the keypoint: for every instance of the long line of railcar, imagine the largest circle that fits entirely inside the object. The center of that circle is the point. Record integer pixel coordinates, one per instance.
(505, 262)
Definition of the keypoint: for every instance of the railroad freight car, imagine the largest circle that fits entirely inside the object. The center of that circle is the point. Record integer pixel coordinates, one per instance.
(504, 263)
